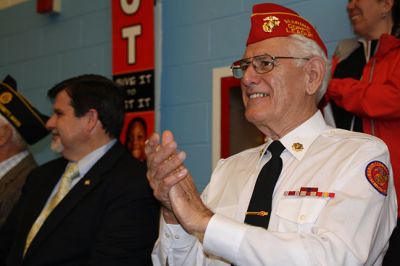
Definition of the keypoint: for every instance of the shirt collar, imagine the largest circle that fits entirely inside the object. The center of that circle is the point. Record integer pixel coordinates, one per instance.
(299, 140)
(89, 160)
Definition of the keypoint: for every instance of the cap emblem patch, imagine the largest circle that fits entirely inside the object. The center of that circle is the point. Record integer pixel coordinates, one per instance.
(270, 23)
(6, 97)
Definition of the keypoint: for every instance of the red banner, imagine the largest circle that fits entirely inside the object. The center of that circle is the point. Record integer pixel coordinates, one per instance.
(133, 69)
(133, 36)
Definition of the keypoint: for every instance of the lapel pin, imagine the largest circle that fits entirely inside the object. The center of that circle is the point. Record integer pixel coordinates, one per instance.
(297, 146)
(87, 182)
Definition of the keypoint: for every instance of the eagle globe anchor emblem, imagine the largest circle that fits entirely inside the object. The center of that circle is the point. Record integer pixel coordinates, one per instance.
(270, 23)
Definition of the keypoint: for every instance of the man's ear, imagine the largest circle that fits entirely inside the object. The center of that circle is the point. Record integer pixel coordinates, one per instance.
(5, 133)
(92, 119)
(315, 71)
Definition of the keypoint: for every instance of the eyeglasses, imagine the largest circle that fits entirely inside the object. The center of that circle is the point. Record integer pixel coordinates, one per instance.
(262, 64)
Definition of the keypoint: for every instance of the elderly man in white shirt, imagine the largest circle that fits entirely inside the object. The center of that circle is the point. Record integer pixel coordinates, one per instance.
(334, 201)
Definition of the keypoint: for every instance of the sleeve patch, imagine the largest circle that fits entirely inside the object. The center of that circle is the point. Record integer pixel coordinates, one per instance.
(377, 174)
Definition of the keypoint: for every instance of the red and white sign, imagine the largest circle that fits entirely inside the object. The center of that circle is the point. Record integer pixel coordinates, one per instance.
(133, 67)
(133, 36)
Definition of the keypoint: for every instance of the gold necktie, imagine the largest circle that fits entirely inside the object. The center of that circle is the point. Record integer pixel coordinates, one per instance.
(70, 173)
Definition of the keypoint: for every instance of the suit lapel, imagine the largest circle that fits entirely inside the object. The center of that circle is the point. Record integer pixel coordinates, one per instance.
(92, 178)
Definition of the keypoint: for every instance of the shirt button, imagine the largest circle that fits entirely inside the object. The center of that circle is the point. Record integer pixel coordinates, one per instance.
(177, 237)
(167, 235)
(302, 217)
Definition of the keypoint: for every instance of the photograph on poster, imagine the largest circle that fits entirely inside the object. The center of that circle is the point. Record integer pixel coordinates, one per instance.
(137, 128)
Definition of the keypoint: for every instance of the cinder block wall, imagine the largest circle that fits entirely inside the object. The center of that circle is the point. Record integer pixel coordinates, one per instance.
(41, 50)
(196, 35)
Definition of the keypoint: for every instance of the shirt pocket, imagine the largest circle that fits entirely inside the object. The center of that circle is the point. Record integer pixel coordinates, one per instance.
(301, 210)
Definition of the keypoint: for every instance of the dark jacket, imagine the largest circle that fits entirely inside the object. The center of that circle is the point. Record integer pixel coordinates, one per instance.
(108, 218)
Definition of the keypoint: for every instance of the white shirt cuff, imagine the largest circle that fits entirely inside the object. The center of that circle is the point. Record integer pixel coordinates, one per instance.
(174, 236)
(223, 237)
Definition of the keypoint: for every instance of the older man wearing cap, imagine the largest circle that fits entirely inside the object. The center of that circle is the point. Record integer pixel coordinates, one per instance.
(20, 124)
(311, 195)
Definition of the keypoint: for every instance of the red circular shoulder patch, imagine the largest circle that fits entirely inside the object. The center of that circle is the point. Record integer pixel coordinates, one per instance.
(377, 174)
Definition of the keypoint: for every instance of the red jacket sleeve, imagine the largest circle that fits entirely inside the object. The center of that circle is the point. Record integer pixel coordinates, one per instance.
(379, 99)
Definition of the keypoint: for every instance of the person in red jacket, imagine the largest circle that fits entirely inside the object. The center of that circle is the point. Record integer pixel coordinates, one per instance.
(364, 92)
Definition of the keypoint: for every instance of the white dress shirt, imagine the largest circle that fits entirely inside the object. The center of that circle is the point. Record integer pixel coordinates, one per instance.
(350, 228)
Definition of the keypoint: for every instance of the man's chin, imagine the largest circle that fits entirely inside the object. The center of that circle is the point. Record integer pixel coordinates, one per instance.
(57, 147)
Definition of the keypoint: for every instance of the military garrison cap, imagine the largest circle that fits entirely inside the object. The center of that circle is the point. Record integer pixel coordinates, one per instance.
(271, 20)
(28, 121)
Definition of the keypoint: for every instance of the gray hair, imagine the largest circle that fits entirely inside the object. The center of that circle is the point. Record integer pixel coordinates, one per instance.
(311, 48)
(17, 139)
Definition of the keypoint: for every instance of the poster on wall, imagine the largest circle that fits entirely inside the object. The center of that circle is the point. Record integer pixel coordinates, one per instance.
(139, 90)
(133, 57)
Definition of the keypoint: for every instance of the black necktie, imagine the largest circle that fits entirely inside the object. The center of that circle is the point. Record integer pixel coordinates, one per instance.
(260, 205)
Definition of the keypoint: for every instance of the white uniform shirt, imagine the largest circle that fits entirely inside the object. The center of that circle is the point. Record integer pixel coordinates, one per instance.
(351, 228)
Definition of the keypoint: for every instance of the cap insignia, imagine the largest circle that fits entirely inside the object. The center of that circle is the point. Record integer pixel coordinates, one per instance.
(270, 23)
(6, 97)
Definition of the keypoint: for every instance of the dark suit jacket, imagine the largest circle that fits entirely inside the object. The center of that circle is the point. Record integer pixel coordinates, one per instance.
(11, 185)
(110, 216)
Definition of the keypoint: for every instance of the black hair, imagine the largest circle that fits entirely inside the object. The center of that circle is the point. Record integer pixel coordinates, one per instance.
(130, 125)
(93, 91)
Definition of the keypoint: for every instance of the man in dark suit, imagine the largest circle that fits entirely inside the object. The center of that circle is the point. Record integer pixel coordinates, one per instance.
(20, 125)
(109, 215)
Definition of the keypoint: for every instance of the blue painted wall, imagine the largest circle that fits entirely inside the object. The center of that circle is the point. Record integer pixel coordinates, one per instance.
(197, 36)
(41, 50)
